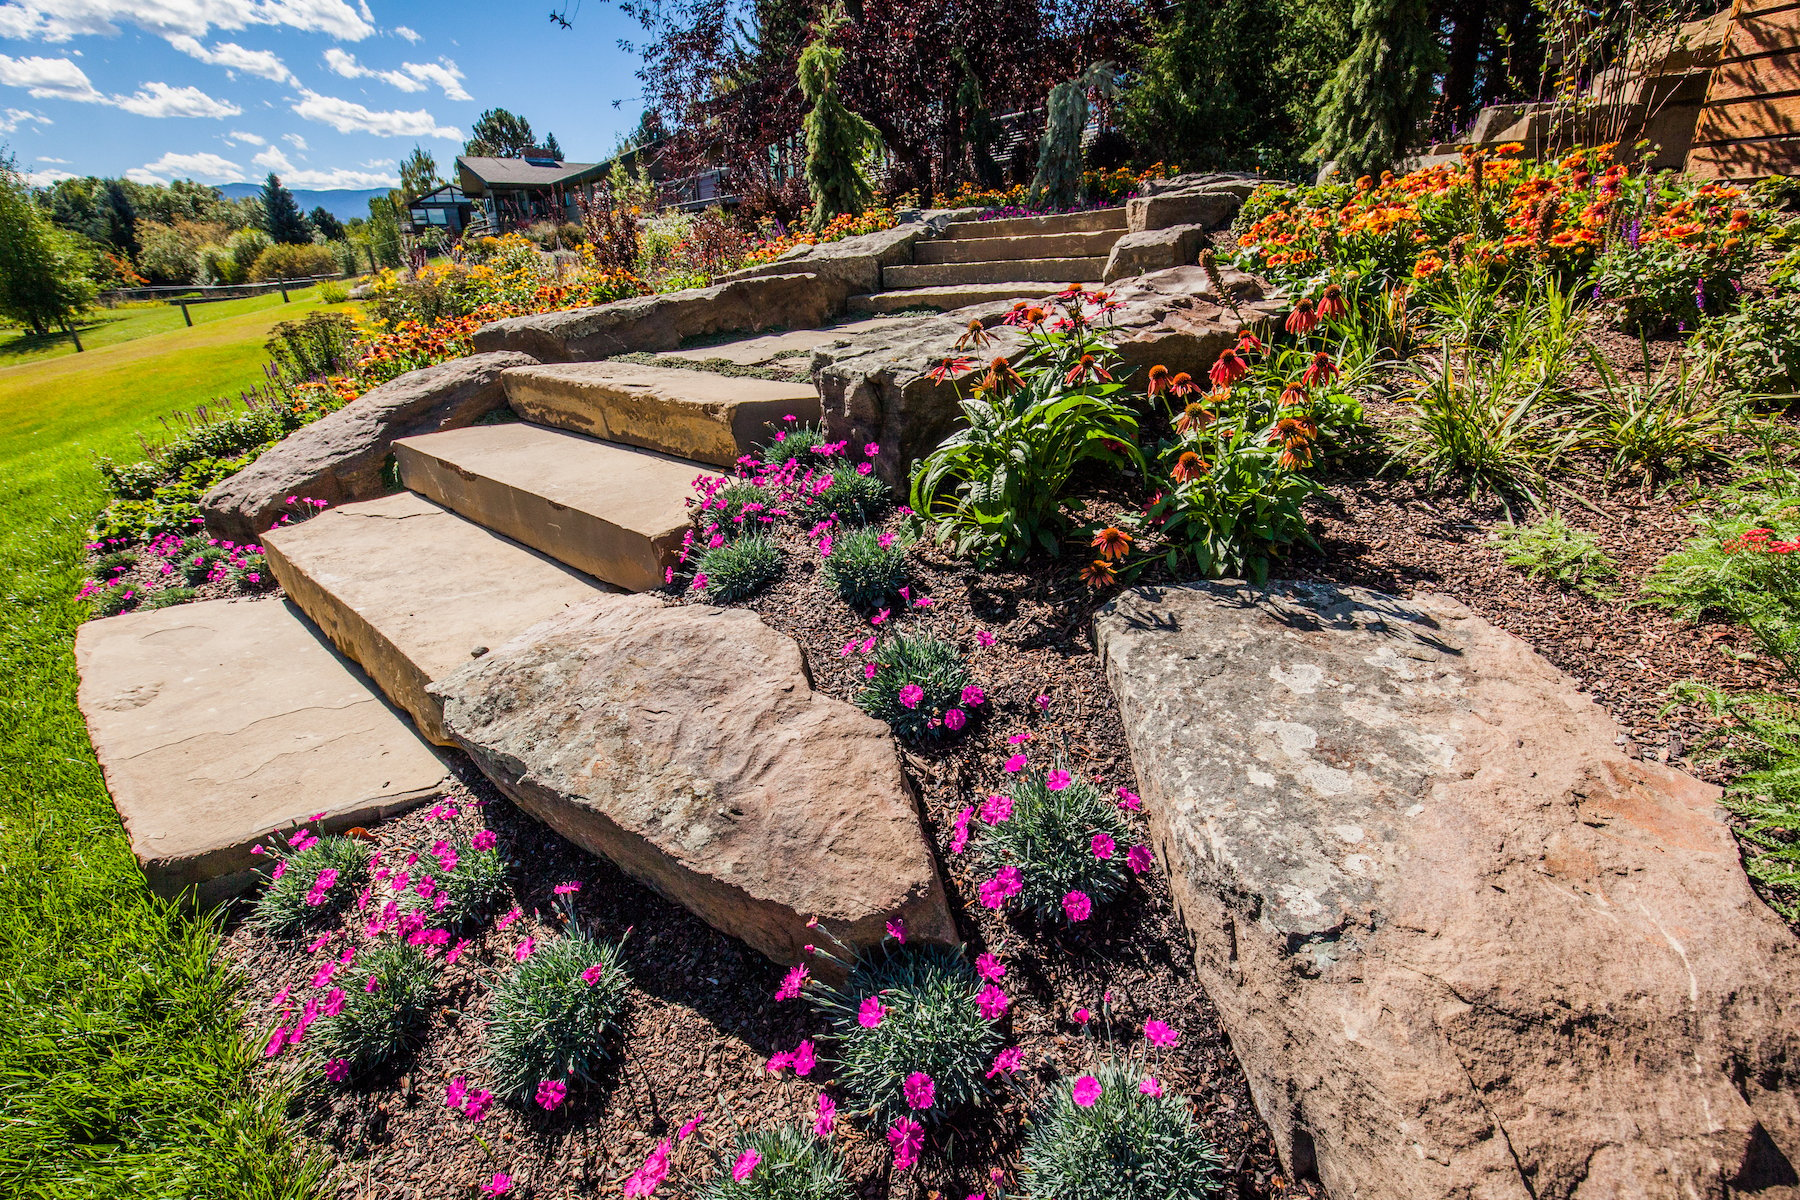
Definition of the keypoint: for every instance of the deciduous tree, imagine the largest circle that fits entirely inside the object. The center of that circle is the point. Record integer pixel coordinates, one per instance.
(45, 281)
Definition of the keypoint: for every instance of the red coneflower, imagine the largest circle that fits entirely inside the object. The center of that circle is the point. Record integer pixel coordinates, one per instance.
(1331, 304)
(1229, 369)
(1088, 366)
(1293, 432)
(1112, 542)
(1035, 316)
(1293, 395)
(1016, 314)
(1159, 381)
(974, 336)
(1000, 377)
(1249, 343)
(1322, 369)
(1303, 318)
(1293, 458)
(1189, 467)
(1098, 574)
(1194, 416)
(950, 367)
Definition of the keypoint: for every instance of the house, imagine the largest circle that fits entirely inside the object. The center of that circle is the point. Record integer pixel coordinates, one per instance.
(446, 209)
(515, 192)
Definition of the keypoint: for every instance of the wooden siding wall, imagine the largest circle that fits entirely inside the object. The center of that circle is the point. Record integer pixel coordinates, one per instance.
(1750, 125)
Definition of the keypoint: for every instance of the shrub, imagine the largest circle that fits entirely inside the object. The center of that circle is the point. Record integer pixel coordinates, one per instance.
(294, 261)
(740, 568)
(918, 678)
(866, 567)
(1754, 352)
(322, 344)
(791, 1164)
(1669, 282)
(1550, 548)
(553, 1017)
(928, 1021)
(377, 1025)
(333, 292)
(854, 496)
(1062, 841)
(472, 881)
(314, 884)
(1124, 1144)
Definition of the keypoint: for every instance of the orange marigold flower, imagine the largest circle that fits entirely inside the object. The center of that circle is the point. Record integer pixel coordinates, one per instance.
(1303, 318)
(1112, 542)
(1229, 369)
(1099, 574)
(1511, 148)
(1189, 467)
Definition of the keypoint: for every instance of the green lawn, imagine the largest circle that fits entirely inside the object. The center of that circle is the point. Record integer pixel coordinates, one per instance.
(121, 1069)
(111, 326)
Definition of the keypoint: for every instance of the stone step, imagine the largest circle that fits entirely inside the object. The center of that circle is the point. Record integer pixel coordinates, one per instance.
(951, 296)
(411, 591)
(221, 723)
(996, 249)
(692, 414)
(1036, 270)
(1091, 221)
(615, 512)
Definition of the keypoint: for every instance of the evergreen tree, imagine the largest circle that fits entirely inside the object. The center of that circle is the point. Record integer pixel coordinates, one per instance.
(551, 148)
(1370, 112)
(500, 134)
(120, 215)
(44, 276)
(325, 224)
(1057, 181)
(418, 173)
(836, 138)
(281, 214)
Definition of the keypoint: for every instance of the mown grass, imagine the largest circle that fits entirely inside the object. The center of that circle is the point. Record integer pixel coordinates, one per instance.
(111, 326)
(122, 1071)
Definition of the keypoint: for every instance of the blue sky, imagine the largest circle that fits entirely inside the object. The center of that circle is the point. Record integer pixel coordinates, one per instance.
(328, 93)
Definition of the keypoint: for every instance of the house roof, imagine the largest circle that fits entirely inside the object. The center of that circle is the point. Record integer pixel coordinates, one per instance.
(477, 173)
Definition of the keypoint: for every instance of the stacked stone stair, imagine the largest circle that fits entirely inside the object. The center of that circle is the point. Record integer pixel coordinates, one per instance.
(976, 262)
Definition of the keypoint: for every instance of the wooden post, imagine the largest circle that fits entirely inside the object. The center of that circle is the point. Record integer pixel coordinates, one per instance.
(185, 314)
(284, 295)
(75, 334)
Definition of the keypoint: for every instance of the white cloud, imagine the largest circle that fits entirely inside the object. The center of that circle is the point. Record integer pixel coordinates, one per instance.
(49, 79)
(410, 77)
(246, 139)
(203, 166)
(342, 177)
(139, 175)
(13, 118)
(295, 140)
(346, 116)
(44, 178)
(275, 160)
(265, 64)
(411, 35)
(162, 100)
(61, 162)
(60, 20)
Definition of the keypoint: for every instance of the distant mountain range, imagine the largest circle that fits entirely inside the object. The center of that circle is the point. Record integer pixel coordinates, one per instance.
(342, 203)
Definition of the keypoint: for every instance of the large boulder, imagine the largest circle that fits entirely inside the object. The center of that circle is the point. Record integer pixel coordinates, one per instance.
(662, 322)
(1155, 250)
(686, 744)
(1207, 208)
(1181, 319)
(1464, 946)
(339, 458)
(855, 262)
(1237, 183)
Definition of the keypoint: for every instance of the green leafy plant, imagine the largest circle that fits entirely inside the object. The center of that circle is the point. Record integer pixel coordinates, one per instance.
(1753, 353)
(740, 568)
(1656, 428)
(378, 1024)
(792, 442)
(1762, 733)
(866, 567)
(918, 678)
(1061, 836)
(925, 1019)
(1669, 282)
(167, 597)
(789, 1164)
(312, 885)
(473, 882)
(1118, 1142)
(737, 508)
(1550, 548)
(853, 495)
(555, 1017)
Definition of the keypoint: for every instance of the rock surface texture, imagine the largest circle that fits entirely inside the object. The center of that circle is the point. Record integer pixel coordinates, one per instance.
(1464, 947)
(339, 458)
(220, 723)
(855, 262)
(661, 322)
(686, 744)
(1208, 200)
(1155, 250)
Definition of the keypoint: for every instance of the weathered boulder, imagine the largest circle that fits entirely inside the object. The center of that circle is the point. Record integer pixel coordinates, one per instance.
(1206, 207)
(661, 322)
(1155, 250)
(339, 458)
(1464, 946)
(686, 744)
(855, 262)
(1179, 319)
(1237, 183)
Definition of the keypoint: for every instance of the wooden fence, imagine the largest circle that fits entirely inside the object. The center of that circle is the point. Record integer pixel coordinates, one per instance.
(1750, 124)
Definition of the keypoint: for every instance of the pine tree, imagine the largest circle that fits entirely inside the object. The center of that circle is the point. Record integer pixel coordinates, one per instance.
(1057, 181)
(121, 218)
(836, 138)
(326, 224)
(44, 276)
(281, 214)
(1372, 109)
(551, 148)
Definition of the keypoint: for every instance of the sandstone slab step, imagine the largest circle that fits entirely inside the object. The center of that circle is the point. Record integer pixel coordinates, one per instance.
(1036, 270)
(994, 249)
(220, 723)
(692, 414)
(951, 296)
(411, 591)
(686, 743)
(1463, 945)
(615, 512)
(1091, 221)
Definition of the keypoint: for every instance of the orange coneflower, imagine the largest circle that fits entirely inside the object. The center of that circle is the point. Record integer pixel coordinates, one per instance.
(1293, 432)
(1229, 369)
(1088, 366)
(1112, 542)
(1098, 574)
(1292, 458)
(1331, 304)
(1036, 316)
(1293, 395)
(1194, 416)
(1159, 381)
(1303, 318)
(1000, 377)
(1182, 385)
(975, 335)
(1322, 369)
(1189, 467)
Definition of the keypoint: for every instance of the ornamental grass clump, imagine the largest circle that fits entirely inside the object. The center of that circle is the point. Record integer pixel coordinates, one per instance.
(385, 996)
(1058, 846)
(867, 567)
(854, 494)
(918, 680)
(313, 881)
(554, 1018)
(795, 442)
(911, 1031)
(1114, 1135)
(737, 508)
(741, 567)
(787, 1163)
